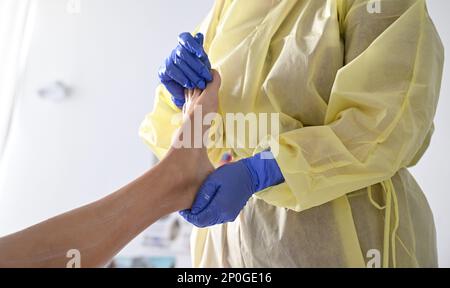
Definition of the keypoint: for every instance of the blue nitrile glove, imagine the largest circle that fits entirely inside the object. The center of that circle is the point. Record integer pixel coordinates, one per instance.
(226, 191)
(187, 66)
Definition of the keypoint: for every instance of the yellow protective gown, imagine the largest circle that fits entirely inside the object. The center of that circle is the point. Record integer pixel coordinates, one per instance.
(357, 93)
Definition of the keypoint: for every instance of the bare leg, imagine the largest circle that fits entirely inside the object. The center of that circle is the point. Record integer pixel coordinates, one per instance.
(99, 230)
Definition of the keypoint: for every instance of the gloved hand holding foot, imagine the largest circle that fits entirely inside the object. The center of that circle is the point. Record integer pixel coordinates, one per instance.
(226, 191)
(187, 67)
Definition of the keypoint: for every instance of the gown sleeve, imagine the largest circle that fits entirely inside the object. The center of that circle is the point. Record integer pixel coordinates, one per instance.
(381, 108)
(161, 124)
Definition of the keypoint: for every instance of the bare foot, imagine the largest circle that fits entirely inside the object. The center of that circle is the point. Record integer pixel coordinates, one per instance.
(192, 96)
(206, 99)
(192, 161)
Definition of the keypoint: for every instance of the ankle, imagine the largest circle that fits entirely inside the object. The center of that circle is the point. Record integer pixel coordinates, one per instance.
(189, 168)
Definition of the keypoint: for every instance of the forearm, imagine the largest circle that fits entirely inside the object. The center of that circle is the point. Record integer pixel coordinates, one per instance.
(98, 230)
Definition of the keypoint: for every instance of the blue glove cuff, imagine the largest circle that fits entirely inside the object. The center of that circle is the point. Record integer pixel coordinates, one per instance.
(264, 172)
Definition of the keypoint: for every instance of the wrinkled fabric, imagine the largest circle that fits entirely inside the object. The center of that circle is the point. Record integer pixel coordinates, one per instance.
(356, 94)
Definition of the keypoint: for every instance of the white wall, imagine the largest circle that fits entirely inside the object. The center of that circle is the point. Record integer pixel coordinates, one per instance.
(432, 173)
(62, 155)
